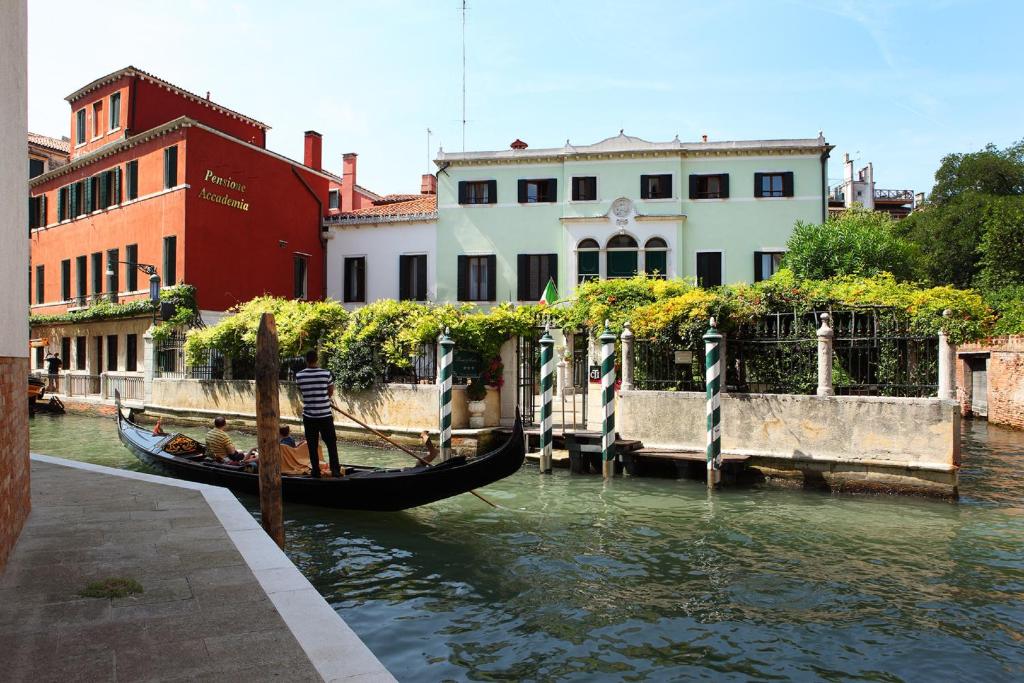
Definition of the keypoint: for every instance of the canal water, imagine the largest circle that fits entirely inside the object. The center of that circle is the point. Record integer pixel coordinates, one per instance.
(643, 579)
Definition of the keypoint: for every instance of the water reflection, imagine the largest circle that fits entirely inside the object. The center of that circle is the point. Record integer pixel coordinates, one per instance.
(652, 579)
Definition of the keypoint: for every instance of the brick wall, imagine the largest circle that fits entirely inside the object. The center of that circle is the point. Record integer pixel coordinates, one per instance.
(1005, 379)
(14, 462)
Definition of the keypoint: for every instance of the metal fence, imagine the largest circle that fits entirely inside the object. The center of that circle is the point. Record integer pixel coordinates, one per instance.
(422, 368)
(876, 353)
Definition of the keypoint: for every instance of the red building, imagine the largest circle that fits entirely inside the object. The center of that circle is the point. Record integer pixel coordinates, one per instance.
(161, 176)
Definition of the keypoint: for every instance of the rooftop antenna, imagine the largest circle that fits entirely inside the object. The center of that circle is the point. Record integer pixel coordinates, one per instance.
(463, 75)
(428, 149)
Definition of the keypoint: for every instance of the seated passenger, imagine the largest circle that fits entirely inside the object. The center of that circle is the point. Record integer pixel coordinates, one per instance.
(286, 436)
(220, 447)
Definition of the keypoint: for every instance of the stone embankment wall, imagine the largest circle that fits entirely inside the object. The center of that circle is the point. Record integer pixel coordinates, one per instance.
(402, 407)
(1005, 379)
(899, 441)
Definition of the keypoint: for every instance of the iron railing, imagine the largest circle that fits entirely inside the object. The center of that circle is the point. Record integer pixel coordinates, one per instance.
(902, 195)
(660, 366)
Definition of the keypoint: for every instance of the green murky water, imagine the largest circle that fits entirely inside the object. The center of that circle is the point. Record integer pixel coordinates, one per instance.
(646, 579)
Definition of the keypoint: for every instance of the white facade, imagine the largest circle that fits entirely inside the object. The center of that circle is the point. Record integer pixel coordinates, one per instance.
(381, 244)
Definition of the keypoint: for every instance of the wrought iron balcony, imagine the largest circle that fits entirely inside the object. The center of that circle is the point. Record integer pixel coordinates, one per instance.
(894, 195)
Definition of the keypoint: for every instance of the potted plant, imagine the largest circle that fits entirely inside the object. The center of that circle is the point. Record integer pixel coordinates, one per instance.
(476, 392)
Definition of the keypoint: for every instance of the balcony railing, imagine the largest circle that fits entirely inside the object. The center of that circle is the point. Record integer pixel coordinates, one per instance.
(900, 195)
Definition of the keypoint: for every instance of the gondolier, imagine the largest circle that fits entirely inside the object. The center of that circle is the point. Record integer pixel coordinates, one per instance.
(316, 385)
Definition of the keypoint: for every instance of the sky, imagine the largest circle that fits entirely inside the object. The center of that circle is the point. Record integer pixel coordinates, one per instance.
(896, 83)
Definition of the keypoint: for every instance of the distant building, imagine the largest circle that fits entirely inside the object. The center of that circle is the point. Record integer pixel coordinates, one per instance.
(860, 189)
(46, 153)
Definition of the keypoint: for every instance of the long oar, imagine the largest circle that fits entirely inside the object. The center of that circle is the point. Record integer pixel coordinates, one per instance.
(398, 446)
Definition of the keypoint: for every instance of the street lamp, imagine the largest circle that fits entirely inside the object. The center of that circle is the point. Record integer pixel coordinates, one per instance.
(154, 279)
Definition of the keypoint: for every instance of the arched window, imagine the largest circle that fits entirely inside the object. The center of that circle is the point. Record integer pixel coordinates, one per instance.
(588, 260)
(622, 257)
(656, 258)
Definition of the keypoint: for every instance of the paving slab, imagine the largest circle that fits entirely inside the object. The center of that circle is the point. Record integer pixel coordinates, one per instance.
(220, 601)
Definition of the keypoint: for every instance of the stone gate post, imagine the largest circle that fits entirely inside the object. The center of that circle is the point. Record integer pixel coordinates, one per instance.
(947, 362)
(826, 339)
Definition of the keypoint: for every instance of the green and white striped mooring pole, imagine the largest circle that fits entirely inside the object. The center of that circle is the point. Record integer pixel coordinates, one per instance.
(444, 376)
(607, 340)
(547, 371)
(712, 378)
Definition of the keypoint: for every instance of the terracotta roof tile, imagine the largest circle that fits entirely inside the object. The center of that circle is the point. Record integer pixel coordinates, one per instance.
(59, 144)
(422, 204)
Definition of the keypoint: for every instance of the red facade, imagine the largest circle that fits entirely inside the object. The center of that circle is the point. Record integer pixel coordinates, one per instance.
(219, 212)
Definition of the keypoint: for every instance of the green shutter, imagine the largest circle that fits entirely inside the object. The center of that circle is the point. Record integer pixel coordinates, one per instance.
(42, 211)
(88, 196)
(117, 185)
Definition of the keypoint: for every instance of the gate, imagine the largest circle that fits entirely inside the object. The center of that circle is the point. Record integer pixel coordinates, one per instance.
(528, 377)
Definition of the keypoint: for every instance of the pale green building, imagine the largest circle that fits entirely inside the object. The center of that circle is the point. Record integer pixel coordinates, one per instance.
(719, 212)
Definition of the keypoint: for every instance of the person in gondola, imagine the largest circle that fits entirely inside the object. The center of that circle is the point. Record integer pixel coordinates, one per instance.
(221, 448)
(285, 432)
(316, 385)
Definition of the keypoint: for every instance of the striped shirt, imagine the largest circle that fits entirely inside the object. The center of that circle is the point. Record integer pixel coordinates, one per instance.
(217, 444)
(313, 383)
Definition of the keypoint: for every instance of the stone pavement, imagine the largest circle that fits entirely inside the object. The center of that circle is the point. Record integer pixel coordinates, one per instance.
(203, 614)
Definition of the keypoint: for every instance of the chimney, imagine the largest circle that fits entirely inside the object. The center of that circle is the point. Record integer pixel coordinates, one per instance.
(428, 185)
(518, 144)
(207, 94)
(348, 181)
(704, 138)
(311, 155)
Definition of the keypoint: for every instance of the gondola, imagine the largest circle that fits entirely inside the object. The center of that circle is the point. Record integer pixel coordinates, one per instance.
(361, 488)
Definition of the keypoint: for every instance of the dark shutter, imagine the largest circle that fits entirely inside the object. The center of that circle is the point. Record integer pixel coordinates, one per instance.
(101, 180)
(552, 272)
(723, 183)
(492, 275)
(73, 209)
(421, 279)
(462, 191)
(758, 271)
(60, 204)
(554, 189)
(523, 273)
(403, 277)
(645, 187)
(117, 185)
(693, 186)
(523, 195)
(787, 184)
(347, 293)
(666, 186)
(170, 166)
(492, 191)
(757, 184)
(88, 195)
(463, 275)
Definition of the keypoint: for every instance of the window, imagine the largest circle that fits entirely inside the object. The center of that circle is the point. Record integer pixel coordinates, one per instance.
(621, 257)
(656, 186)
(97, 273)
(105, 189)
(81, 280)
(78, 198)
(97, 119)
(300, 271)
(131, 352)
(113, 281)
(656, 258)
(412, 277)
(98, 368)
(588, 261)
(80, 353)
(39, 356)
(115, 111)
(37, 212)
(63, 203)
(170, 167)
(65, 353)
(65, 280)
(355, 279)
(131, 272)
(170, 260)
(477, 278)
(478, 192)
(333, 199)
(584, 188)
(773, 184)
(36, 167)
(80, 127)
(112, 353)
(766, 264)
(40, 284)
(131, 172)
(538, 191)
(709, 186)
(534, 271)
(709, 268)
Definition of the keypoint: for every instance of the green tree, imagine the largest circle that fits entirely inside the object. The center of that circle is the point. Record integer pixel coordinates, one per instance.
(856, 242)
(990, 171)
(1001, 250)
(947, 238)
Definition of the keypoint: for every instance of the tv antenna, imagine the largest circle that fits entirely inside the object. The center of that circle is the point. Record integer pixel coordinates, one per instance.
(429, 133)
(463, 75)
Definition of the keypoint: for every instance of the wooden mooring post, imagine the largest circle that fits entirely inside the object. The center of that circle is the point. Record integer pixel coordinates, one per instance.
(267, 423)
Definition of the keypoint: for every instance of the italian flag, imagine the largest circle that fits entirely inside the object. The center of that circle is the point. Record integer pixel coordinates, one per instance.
(550, 294)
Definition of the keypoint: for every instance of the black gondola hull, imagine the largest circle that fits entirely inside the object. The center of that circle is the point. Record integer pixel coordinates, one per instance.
(361, 489)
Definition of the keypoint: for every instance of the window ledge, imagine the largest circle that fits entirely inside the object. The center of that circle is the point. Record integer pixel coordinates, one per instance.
(709, 200)
(662, 200)
(476, 205)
